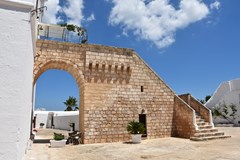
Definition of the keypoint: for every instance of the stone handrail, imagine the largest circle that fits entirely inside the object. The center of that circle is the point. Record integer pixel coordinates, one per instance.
(202, 110)
(184, 119)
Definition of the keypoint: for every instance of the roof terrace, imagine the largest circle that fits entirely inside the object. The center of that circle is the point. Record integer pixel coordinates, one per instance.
(63, 32)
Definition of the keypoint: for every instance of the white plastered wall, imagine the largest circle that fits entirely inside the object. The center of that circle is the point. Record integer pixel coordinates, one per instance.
(61, 119)
(16, 75)
(228, 93)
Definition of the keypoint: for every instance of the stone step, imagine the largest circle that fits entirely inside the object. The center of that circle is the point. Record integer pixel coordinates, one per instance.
(208, 134)
(41, 141)
(198, 117)
(207, 130)
(208, 138)
(205, 127)
(202, 123)
(200, 120)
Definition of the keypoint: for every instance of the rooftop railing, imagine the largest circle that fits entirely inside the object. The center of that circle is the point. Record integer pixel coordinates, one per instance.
(64, 32)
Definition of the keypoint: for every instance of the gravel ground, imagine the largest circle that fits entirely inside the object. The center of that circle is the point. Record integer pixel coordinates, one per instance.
(154, 149)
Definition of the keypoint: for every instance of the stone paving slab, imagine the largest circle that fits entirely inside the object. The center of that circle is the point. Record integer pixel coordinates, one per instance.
(48, 133)
(154, 149)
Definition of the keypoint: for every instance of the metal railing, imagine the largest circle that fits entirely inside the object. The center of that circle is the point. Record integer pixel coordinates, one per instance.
(61, 33)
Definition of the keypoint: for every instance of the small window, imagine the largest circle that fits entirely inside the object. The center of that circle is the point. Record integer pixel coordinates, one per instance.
(122, 68)
(90, 66)
(103, 68)
(141, 88)
(97, 66)
(109, 68)
(128, 70)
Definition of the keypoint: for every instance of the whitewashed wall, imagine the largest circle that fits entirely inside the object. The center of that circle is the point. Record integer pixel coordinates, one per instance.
(228, 92)
(43, 117)
(62, 122)
(61, 119)
(16, 68)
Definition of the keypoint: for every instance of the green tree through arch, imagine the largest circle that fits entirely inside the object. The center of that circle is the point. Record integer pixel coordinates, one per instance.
(71, 103)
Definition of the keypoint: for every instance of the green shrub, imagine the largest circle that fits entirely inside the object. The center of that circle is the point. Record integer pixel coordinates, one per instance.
(58, 136)
(135, 127)
(227, 112)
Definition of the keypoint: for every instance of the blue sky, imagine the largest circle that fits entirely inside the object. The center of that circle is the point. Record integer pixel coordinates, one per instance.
(192, 45)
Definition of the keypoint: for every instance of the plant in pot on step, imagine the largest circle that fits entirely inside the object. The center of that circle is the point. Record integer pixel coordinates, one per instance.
(41, 125)
(71, 126)
(58, 140)
(136, 129)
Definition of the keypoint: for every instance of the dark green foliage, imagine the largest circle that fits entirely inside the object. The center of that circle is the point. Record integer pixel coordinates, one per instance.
(71, 124)
(70, 103)
(207, 98)
(81, 32)
(203, 101)
(58, 136)
(234, 111)
(135, 127)
(228, 113)
(76, 109)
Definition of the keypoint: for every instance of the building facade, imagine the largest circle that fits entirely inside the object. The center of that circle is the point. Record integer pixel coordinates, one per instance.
(227, 93)
(116, 86)
(17, 43)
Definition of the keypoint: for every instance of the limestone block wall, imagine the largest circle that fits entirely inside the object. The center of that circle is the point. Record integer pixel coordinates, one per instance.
(202, 110)
(115, 85)
(118, 87)
(184, 119)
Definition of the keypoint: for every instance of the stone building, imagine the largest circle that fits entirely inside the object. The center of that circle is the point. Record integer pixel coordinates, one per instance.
(116, 86)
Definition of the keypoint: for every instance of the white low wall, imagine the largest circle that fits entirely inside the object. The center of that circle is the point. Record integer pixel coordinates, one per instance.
(62, 122)
(61, 119)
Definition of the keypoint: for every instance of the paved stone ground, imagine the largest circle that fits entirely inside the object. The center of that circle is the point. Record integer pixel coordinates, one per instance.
(48, 133)
(155, 149)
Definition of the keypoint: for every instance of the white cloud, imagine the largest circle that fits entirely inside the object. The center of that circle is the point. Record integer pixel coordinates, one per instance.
(156, 21)
(50, 14)
(91, 18)
(215, 5)
(73, 12)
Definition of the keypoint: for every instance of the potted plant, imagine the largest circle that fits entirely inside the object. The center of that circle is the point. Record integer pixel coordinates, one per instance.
(58, 140)
(41, 125)
(71, 124)
(136, 129)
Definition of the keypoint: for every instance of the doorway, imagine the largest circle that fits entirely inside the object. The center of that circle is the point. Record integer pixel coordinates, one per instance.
(143, 120)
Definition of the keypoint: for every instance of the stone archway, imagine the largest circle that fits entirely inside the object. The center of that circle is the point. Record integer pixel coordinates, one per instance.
(68, 66)
(40, 67)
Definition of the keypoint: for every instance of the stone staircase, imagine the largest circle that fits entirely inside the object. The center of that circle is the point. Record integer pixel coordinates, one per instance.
(206, 132)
